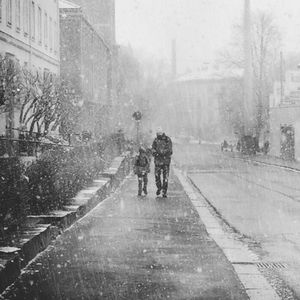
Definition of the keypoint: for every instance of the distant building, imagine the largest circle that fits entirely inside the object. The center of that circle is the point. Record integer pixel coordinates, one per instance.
(285, 117)
(196, 103)
(85, 62)
(29, 34)
(101, 15)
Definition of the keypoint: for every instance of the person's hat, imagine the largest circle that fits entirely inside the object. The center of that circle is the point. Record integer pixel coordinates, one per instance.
(142, 149)
(159, 131)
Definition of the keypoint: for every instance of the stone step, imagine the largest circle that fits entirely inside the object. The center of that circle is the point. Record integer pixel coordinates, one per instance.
(59, 218)
(10, 267)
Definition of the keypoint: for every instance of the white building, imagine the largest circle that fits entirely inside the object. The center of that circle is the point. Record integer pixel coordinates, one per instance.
(287, 92)
(29, 34)
(29, 31)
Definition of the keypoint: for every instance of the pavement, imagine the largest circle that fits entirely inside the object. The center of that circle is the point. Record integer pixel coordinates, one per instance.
(131, 247)
(268, 160)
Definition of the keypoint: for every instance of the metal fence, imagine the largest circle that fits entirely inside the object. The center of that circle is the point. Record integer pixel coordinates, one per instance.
(24, 145)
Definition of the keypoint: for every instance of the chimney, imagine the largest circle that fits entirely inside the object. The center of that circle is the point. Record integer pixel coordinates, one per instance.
(174, 59)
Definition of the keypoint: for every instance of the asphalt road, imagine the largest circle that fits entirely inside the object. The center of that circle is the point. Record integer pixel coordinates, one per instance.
(261, 202)
(132, 248)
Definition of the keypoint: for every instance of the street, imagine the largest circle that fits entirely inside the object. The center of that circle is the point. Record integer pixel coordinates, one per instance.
(132, 248)
(258, 201)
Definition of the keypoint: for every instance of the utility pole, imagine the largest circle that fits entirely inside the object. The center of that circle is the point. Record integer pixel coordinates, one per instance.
(249, 141)
(248, 77)
(281, 78)
(174, 59)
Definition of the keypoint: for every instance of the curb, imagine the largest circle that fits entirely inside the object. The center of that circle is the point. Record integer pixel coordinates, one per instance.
(266, 163)
(36, 234)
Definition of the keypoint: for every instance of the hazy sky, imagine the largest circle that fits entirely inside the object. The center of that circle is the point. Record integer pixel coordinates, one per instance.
(201, 27)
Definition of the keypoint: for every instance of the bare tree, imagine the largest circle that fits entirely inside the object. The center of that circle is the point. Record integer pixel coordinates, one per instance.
(265, 49)
(39, 108)
(266, 43)
(10, 81)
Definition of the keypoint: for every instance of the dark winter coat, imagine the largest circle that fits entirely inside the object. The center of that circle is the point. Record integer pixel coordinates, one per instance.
(162, 150)
(141, 164)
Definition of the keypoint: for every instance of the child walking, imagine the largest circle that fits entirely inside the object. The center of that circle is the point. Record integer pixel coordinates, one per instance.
(141, 169)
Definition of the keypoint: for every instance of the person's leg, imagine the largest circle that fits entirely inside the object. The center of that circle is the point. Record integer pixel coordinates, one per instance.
(166, 170)
(157, 178)
(140, 185)
(145, 178)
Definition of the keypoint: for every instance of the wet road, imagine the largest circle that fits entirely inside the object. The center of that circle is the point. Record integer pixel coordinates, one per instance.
(261, 202)
(132, 248)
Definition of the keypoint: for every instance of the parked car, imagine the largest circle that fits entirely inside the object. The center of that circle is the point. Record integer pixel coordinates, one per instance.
(227, 145)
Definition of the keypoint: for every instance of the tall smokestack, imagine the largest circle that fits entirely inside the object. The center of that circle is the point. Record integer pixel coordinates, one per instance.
(174, 59)
(248, 84)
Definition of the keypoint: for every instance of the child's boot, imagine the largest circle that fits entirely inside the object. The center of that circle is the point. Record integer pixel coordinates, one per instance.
(140, 187)
(145, 190)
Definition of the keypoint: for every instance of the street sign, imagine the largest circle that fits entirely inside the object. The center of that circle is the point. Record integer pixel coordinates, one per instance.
(137, 115)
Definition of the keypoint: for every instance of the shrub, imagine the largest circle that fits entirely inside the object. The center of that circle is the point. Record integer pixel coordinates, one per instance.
(58, 175)
(14, 193)
(51, 181)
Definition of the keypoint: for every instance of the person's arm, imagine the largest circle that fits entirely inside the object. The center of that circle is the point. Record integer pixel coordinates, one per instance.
(135, 165)
(148, 165)
(154, 150)
(170, 147)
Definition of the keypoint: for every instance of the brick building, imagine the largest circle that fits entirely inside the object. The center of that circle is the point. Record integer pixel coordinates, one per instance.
(86, 63)
(101, 15)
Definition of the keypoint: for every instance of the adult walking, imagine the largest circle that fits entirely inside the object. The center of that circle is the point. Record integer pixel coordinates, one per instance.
(162, 152)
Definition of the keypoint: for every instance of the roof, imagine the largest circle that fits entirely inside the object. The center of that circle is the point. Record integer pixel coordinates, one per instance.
(211, 75)
(67, 4)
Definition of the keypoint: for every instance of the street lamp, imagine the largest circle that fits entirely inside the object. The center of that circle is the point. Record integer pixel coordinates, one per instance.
(137, 117)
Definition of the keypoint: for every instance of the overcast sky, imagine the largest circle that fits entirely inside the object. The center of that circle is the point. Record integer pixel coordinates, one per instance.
(201, 27)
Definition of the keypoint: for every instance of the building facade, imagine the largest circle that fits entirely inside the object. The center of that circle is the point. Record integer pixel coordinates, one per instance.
(29, 34)
(101, 15)
(195, 103)
(85, 63)
(29, 31)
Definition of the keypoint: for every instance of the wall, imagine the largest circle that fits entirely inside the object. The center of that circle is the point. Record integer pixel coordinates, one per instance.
(101, 15)
(70, 50)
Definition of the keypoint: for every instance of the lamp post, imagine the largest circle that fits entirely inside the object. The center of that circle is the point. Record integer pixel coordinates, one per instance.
(137, 117)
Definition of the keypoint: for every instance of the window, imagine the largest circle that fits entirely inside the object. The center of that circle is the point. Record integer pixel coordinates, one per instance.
(46, 30)
(39, 25)
(50, 34)
(0, 11)
(9, 12)
(32, 16)
(46, 74)
(55, 38)
(26, 16)
(18, 14)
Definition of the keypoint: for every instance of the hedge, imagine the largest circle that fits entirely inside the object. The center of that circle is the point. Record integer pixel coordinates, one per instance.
(51, 181)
